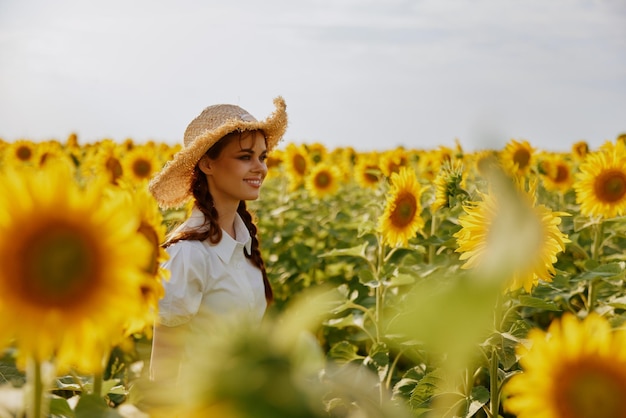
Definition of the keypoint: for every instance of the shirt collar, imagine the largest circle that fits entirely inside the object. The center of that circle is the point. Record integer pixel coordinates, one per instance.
(227, 245)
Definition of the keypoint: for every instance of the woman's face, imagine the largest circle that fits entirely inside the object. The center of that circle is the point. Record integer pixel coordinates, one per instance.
(239, 170)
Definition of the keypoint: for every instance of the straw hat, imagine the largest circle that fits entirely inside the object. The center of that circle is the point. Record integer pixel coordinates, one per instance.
(171, 186)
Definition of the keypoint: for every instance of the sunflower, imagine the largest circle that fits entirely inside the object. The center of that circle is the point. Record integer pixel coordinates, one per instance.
(45, 151)
(402, 219)
(52, 152)
(346, 156)
(580, 150)
(556, 172)
(72, 141)
(517, 157)
(166, 152)
(484, 239)
(297, 164)
(391, 161)
(483, 162)
(128, 144)
(275, 159)
(344, 160)
(317, 152)
(72, 266)
(153, 228)
(139, 164)
(575, 370)
(449, 185)
(600, 183)
(367, 170)
(20, 152)
(73, 149)
(102, 160)
(323, 180)
(275, 164)
(430, 162)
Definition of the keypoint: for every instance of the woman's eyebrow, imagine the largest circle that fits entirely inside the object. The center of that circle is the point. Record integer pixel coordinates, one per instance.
(250, 151)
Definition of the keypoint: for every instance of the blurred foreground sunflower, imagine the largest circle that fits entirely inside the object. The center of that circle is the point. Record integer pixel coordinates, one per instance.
(72, 266)
(275, 369)
(601, 182)
(402, 219)
(575, 370)
(484, 239)
(152, 227)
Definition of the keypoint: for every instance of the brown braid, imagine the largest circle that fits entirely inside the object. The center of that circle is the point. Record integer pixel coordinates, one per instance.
(255, 257)
(204, 202)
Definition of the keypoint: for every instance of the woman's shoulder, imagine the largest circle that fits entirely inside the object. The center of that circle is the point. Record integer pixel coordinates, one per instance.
(187, 250)
(185, 246)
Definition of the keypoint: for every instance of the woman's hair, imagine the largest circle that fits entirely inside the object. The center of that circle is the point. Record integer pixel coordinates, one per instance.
(211, 230)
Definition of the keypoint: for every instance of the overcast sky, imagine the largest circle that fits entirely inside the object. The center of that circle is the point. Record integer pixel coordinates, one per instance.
(371, 74)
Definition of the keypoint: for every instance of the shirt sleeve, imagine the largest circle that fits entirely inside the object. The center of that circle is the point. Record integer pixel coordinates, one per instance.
(184, 290)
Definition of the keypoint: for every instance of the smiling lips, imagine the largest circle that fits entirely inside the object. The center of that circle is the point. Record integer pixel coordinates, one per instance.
(254, 182)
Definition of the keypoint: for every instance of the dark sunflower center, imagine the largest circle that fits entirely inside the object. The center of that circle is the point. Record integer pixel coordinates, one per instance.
(610, 186)
(371, 174)
(322, 180)
(562, 174)
(404, 212)
(590, 390)
(59, 267)
(299, 163)
(393, 167)
(23, 153)
(317, 157)
(521, 157)
(142, 168)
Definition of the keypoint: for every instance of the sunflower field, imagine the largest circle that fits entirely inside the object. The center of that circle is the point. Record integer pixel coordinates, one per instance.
(408, 283)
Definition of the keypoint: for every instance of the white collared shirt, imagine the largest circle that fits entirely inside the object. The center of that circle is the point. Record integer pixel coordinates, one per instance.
(214, 279)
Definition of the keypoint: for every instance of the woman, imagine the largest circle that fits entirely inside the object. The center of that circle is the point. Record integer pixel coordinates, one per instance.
(214, 259)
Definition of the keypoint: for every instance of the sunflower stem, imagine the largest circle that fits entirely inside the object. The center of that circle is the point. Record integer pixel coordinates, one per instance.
(97, 384)
(597, 240)
(37, 391)
(433, 231)
(494, 389)
(380, 259)
(391, 369)
(591, 295)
